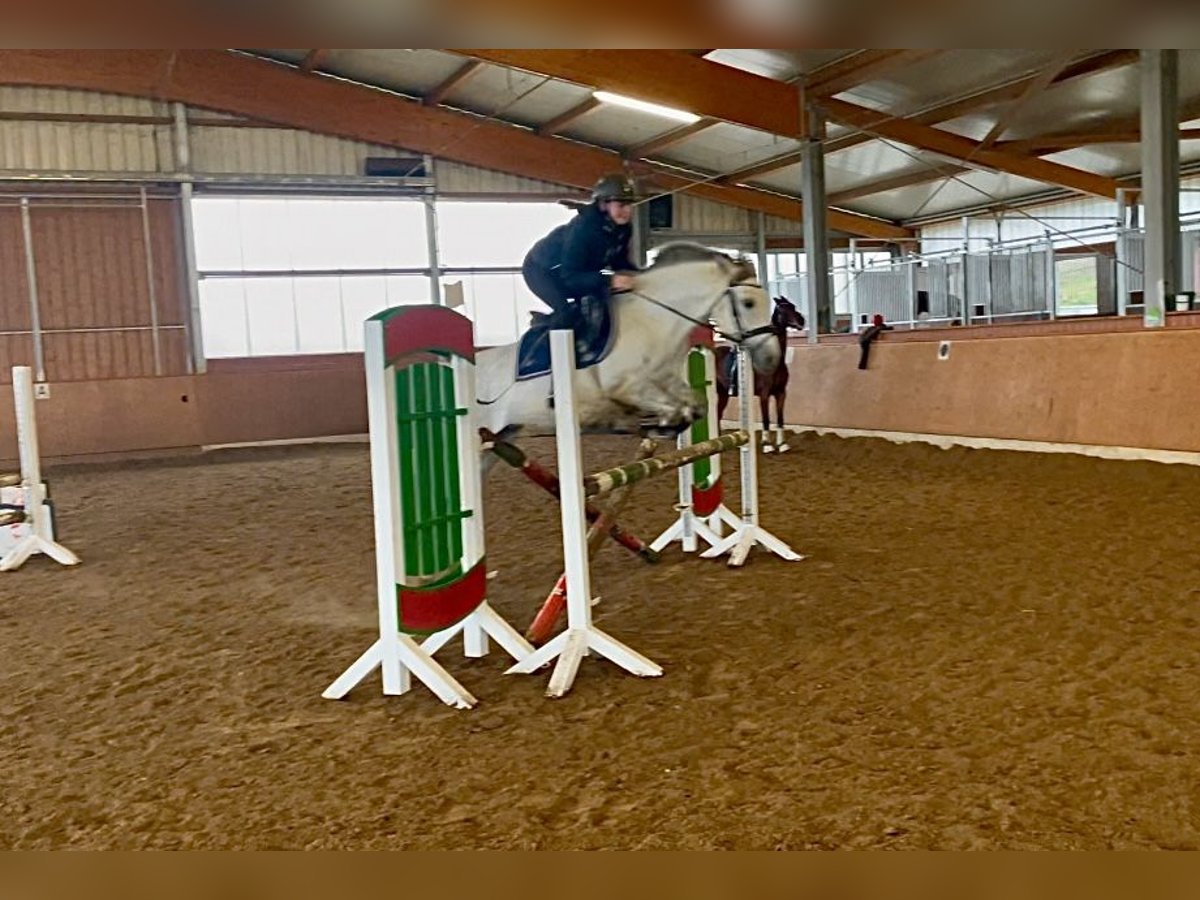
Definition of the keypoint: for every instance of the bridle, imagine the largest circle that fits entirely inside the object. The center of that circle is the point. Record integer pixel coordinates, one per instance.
(730, 293)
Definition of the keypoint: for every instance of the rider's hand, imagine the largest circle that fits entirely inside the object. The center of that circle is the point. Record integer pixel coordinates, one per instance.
(622, 282)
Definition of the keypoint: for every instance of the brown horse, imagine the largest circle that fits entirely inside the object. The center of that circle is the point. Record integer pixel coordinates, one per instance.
(774, 385)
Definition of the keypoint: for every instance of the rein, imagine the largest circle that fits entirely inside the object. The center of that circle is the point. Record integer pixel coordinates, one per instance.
(742, 335)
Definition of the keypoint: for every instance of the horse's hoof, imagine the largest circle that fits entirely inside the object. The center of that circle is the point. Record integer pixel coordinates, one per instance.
(768, 448)
(784, 448)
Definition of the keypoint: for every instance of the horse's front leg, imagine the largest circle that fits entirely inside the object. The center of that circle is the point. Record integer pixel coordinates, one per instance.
(668, 399)
(764, 403)
(781, 439)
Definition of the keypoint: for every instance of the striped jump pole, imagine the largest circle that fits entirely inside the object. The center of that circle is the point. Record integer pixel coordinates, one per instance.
(35, 524)
(515, 457)
(702, 512)
(431, 574)
(600, 483)
(581, 636)
(748, 533)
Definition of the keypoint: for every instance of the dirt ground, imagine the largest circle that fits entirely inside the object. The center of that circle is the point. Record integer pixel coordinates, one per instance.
(982, 650)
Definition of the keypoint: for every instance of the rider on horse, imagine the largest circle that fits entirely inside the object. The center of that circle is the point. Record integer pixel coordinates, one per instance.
(570, 262)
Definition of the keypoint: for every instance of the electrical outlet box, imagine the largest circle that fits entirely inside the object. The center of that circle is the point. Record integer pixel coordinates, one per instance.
(943, 350)
(41, 391)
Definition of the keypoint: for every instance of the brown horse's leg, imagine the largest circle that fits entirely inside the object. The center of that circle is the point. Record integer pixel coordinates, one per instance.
(764, 402)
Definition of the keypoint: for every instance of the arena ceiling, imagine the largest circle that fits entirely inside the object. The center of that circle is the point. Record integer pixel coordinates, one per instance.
(911, 136)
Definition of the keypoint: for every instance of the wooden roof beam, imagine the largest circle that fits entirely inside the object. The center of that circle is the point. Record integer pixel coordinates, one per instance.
(312, 60)
(954, 146)
(1055, 143)
(944, 112)
(855, 69)
(245, 86)
(671, 78)
(890, 184)
(669, 139)
(1031, 90)
(438, 93)
(783, 161)
(561, 121)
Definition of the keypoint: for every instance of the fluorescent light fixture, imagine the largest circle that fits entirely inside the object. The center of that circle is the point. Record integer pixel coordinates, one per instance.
(642, 106)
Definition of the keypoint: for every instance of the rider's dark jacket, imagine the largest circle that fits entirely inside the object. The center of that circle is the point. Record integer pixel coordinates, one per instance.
(576, 252)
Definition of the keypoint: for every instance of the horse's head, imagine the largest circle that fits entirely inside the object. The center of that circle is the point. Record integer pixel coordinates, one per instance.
(786, 316)
(700, 283)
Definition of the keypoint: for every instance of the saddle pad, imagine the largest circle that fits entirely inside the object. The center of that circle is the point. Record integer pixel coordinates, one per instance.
(593, 342)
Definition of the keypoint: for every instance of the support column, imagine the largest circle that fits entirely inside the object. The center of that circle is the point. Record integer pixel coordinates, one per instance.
(183, 165)
(819, 298)
(761, 250)
(431, 236)
(1160, 180)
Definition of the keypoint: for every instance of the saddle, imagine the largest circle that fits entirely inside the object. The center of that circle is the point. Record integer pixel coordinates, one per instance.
(591, 321)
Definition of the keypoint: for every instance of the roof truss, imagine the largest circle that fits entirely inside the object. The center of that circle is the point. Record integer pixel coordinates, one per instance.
(218, 80)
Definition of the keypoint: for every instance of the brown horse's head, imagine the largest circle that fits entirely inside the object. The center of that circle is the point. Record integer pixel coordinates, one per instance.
(786, 316)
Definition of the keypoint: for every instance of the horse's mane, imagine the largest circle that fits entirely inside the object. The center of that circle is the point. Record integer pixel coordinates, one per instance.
(685, 251)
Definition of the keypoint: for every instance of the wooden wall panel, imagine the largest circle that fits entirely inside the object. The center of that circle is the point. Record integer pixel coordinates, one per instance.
(93, 282)
(96, 355)
(91, 267)
(15, 349)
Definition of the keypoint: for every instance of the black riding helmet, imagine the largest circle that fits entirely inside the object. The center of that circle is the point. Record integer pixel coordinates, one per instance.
(614, 187)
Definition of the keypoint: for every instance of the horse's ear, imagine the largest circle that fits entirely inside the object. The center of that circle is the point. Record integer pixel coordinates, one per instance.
(743, 270)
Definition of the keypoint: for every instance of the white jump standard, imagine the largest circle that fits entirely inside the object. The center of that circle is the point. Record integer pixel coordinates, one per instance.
(428, 496)
(748, 533)
(34, 523)
(581, 636)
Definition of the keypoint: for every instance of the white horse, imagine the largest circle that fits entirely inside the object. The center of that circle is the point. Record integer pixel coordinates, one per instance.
(643, 377)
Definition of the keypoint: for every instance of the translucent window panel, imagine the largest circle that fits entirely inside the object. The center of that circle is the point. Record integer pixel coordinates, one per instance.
(266, 234)
(493, 234)
(223, 318)
(362, 297)
(262, 233)
(319, 326)
(492, 303)
(407, 290)
(271, 314)
(373, 234)
(218, 234)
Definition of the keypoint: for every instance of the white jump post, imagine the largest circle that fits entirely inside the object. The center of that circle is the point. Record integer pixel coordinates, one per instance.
(581, 636)
(38, 526)
(428, 496)
(748, 533)
(702, 515)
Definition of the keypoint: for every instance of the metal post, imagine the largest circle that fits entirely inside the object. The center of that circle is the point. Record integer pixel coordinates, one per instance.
(151, 286)
(819, 306)
(35, 316)
(435, 270)
(761, 235)
(1160, 181)
(1051, 280)
(1120, 279)
(852, 268)
(183, 162)
(914, 287)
